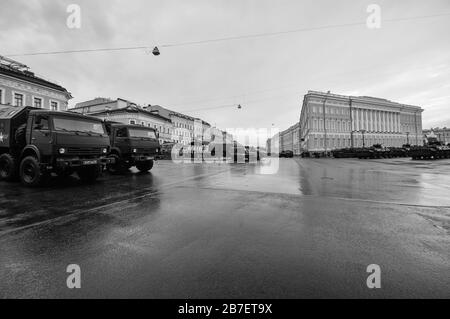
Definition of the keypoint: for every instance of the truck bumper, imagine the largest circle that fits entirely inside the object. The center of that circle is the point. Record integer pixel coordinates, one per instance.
(77, 162)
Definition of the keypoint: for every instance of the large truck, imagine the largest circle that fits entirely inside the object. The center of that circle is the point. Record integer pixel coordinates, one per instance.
(432, 150)
(132, 145)
(35, 143)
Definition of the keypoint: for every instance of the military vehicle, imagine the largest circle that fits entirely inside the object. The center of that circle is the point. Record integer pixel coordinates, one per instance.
(35, 143)
(433, 150)
(375, 151)
(132, 145)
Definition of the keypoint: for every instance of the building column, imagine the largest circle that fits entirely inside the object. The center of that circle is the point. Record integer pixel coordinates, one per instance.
(388, 122)
(393, 122)
(367, 120)
(381, 122)
(385, 122)
(378, 121)
(375, 120)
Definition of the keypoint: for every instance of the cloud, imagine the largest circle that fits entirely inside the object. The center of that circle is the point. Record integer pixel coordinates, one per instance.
(404, 61)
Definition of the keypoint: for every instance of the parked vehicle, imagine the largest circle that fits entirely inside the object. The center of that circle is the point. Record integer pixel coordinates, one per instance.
(35, 143)
(166, 150)
(286, 154)
(375, 151)
(132, 145)
(432, 151)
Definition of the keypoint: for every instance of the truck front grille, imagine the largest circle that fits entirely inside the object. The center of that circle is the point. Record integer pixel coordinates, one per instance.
(84, 151)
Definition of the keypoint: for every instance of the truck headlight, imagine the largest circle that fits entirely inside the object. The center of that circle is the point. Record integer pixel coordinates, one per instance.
(104, 150)
(62, 151)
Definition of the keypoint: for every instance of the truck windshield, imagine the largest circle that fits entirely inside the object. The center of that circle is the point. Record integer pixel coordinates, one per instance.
(78, 125)
(141, 133)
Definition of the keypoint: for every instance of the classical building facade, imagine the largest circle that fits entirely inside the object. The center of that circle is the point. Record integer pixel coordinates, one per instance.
(290, 139)
(330, 121)
(186, 129)
(172, 126)
(21, 87)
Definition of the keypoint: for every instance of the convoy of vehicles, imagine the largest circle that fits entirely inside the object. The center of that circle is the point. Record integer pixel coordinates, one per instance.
(132, 145)
(375, 151)
(434, 150)
(35, 143)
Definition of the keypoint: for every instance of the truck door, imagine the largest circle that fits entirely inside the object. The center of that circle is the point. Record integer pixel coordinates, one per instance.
(121, 140)
(41, 135)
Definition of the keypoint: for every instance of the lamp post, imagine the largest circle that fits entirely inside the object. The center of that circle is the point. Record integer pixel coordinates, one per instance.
(407, 138)
(363, 132)
(351, 125)
(325, 125)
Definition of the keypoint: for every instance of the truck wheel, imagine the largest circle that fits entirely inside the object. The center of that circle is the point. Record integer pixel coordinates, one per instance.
(30, 172)
(144, 166)
(89, 174)
(118, 167)
(8, 167)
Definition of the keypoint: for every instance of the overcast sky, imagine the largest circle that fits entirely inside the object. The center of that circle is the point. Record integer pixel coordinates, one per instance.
(406, 61)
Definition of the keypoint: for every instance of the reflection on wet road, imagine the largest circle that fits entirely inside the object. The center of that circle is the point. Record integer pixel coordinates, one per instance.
(192, 231)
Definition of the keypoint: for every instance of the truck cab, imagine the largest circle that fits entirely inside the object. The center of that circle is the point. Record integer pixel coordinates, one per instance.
(132, 145)
(35, 143)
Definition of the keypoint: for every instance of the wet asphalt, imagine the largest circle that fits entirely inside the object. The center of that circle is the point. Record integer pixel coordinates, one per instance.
(228, 231)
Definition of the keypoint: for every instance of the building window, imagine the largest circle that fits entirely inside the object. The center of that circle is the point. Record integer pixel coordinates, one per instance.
(54, 106)
(37, 102)
(132, 122)
(143, 123)
(18, 99)
(2, 94)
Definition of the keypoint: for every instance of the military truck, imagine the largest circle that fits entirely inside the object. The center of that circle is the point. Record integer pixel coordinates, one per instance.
(132, 145)
(433, 150)
(35, 143)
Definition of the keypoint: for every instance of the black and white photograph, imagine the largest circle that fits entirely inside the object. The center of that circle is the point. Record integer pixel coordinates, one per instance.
(224, 154)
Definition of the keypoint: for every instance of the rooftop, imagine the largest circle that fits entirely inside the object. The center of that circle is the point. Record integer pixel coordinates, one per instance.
(19, 70)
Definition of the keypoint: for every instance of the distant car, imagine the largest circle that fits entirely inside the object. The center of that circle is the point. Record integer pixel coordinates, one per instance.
(287, 154)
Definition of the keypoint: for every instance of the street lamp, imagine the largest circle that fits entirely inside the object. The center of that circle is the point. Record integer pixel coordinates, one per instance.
(156, 51)
(324, 124)
(407, 138)
(352, 143)
(363, 132)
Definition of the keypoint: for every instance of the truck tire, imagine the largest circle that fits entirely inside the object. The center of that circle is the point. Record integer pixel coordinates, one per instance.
(118, 167)
(144, 166)
(30, 172)
(89, 174)
(8, 167)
